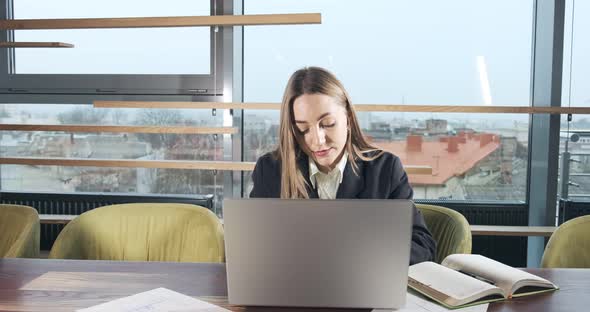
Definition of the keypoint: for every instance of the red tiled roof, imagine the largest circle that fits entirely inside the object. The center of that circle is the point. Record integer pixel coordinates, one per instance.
(444, 164)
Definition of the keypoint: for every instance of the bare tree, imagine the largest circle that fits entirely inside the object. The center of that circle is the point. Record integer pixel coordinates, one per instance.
(4, 113)
(83, 115)
(118, 116)
(159, 117)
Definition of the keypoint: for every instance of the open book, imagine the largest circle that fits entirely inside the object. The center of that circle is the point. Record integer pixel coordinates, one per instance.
(464, 280)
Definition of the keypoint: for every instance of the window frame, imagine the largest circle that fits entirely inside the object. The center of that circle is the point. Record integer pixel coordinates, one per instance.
(113, 84)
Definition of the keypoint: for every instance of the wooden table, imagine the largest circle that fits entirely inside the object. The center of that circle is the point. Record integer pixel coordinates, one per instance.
(67, 285)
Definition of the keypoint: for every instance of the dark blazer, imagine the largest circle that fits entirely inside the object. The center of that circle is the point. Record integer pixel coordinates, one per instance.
(382, 178)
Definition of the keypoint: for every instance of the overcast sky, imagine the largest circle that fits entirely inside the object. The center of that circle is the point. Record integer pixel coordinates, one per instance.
(454, 52)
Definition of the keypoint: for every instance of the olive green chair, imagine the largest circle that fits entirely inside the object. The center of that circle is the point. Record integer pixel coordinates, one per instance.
(569, 246)
(143, 232)
(19, 232)
(449, 229)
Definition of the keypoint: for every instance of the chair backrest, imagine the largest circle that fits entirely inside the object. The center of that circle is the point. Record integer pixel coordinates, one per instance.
(569, 246)
(19, 232)
(143, 232)
(449, 229)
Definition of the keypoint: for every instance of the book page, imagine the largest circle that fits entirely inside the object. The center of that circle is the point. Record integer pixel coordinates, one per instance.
(159, 299)
(448, 286)
(504, 276)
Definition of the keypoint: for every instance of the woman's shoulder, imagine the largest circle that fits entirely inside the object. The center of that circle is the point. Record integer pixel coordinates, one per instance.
(381, 162)
(268, 160)
(380, 157)
(267, 177)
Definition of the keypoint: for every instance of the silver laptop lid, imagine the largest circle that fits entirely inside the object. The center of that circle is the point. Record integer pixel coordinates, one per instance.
(317, 253)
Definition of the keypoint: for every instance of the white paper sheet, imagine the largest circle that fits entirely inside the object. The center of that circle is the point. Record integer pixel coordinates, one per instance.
(416, 304)
(159, 299)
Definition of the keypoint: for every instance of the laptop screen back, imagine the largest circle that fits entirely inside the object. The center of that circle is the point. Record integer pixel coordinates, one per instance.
(318, 253)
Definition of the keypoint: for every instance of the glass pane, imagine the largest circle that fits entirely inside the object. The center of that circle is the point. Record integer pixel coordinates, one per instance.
(576, 62)
(48, 144)
(403, 52)
(487, 162)
(173, 51)
(575, 133)
(115, 180)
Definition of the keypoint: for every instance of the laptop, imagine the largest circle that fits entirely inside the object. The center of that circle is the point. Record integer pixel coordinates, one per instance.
(317, 253)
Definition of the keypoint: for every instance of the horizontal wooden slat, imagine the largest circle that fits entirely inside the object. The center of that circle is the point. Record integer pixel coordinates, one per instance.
(187, 105)
(167, 21)
(55, 219)
(120, 129)
(357, 107)
(163, 164)
(472, 109)
(130, 163)
(504, 230)
(35, 45)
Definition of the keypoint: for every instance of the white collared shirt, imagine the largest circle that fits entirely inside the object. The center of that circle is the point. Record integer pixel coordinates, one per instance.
(327, 183)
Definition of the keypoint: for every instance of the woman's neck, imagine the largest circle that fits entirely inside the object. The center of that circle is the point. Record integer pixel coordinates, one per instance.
(327, 169)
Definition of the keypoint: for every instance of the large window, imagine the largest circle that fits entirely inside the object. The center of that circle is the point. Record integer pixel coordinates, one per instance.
(400, 52)
(389, 52)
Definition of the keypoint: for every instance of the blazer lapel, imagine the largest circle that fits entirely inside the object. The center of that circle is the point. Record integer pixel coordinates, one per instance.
(352, 184)
(303, 164)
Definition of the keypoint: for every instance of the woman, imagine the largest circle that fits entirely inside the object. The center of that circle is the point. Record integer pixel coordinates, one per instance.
(322, 153)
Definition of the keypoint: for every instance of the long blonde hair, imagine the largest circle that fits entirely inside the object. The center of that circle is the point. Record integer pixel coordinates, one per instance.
(314, 80)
